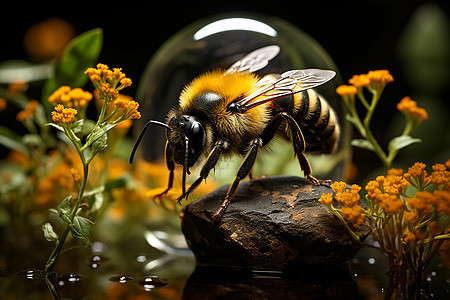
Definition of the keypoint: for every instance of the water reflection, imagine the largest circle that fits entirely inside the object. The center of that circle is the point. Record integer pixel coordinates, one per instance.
(212, 283)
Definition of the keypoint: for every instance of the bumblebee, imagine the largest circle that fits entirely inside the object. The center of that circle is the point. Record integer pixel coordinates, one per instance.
(233, 111)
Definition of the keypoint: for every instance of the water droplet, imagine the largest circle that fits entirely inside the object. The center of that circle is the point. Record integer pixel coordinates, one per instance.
(96, 261)
(141, 258)
(433, 273)
(121, 278)
(30, 274)
(356, 273)
(151, 282)
(69, 278)
(98, 247)
(371, 261)
(382, 289)
(429, 278)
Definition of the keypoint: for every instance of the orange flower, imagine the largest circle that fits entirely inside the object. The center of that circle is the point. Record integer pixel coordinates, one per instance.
(440, 175)
(410, 216)
(326, 199)
(409, 107)
(28, 112)
(380, 76)
(63, 115)
(346, 90)
(353, 215)
(421, 201)
(418, 170)
(71, 98)
(359, 81)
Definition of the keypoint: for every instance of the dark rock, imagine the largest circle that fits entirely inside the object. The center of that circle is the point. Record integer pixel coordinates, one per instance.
(273, 223)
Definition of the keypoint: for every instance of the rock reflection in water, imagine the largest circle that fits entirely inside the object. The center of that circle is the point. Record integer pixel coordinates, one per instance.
(213, 283)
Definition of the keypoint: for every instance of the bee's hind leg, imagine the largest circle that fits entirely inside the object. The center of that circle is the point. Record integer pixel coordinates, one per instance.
(299, 144)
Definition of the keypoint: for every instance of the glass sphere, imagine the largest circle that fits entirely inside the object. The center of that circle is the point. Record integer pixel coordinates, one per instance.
(218, 42)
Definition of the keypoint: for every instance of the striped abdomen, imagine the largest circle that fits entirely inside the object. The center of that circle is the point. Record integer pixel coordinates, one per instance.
(317, 120)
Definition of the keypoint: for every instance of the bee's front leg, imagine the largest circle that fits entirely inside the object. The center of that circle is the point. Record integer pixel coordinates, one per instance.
(210, 163)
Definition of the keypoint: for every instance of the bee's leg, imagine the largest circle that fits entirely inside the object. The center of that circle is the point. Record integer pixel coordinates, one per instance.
(243, 171)
(298, 141)
(170, 162)
(299, 148)
(210, 163)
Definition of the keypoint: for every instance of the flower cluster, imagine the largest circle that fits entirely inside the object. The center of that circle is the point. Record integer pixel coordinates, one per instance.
(348, 198)
(373, 80)
(404, 210)
(108, 82)
(410, 109)
(116, 107)
(65, 116)
(72, 98)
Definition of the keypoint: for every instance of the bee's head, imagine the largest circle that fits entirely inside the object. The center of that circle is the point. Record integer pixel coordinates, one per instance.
(187, 137)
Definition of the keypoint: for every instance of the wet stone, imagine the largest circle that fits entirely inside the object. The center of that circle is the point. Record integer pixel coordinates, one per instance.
(272, 223)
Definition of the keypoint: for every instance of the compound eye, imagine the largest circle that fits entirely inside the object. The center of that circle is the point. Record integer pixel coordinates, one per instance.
(197, 138)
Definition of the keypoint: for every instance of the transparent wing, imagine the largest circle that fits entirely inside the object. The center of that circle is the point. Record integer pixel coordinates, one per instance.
(290, 82)
(255, 60)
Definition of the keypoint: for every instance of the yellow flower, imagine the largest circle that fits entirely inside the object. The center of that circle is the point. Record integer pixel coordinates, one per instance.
(71, 98)
(326, 199)
(359, 81)
(338, 187)
(63, 115)
(353, 215)
(346, 90)
(390, 204)
(421, 201)
(418, 170)
(102, 74)
(441, 201)
(410, 216)
(28, 112)
(380, 76)
(409, 107)
(440, 175)
(127, 107)
(413, 237)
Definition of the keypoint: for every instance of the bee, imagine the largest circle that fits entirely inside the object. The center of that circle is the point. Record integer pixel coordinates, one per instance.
(233, 111)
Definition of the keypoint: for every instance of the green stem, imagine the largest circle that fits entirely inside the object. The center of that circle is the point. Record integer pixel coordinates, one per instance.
(364, 127)
(54, 256)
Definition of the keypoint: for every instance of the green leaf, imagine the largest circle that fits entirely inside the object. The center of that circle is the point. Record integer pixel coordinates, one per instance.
(81, 53)
(49, 233)
(12, 140)
(401, 142)
(64, 210)
(56, 126)
(78, 126)
(364, 144)
(98, 137)
(100, 144)
(82, 228)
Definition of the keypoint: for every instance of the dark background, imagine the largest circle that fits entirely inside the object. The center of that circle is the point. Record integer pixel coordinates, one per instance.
(359, 36)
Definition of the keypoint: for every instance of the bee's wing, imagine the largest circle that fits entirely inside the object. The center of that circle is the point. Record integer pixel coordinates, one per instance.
(290, 82)
(255, 60)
